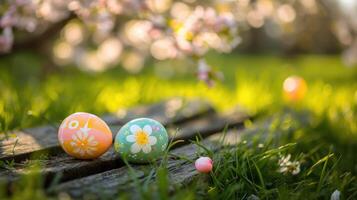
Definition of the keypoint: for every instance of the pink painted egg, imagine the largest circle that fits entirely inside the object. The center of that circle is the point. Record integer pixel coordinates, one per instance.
(204, 164)
(84, 136)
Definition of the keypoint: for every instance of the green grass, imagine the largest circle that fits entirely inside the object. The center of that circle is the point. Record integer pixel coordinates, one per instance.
(325, 145)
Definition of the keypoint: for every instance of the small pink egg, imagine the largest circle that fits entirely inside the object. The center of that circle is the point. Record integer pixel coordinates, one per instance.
(204, 164)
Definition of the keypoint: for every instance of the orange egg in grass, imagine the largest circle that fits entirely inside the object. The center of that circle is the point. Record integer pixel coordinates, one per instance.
(84, 136)
(294, 88)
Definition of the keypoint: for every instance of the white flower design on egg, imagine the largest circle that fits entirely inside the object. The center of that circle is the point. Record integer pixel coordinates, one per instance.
(82, 143)
(142, 139)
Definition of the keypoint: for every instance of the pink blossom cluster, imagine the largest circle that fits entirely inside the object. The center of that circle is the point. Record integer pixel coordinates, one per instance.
(204, 29)
(200, 30)
(28, 15)
(166, 29)
(133, 28)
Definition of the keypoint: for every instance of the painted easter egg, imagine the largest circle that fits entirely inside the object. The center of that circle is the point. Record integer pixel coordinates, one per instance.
(141, 140)
(204, 164)
(84, 136)
(294, 88)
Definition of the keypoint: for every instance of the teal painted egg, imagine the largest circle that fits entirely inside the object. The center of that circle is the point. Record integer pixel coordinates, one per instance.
(141, 140)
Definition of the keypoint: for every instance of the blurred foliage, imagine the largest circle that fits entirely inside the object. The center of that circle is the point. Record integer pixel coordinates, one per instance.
(33, 94)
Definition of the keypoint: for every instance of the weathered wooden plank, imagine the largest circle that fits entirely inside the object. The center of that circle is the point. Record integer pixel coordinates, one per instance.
(44, 139)
(173, 111)
(70, 168)
(28, 140)
(211, 124)
(109, 184)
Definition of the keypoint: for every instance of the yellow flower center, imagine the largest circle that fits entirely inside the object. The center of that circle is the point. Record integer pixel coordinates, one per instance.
(82, 143)
(142, 138)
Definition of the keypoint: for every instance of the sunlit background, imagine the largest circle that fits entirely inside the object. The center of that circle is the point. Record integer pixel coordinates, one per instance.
(268, 57)
(61, 56)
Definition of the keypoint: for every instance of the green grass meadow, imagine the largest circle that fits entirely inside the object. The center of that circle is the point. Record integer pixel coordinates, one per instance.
(320, 132)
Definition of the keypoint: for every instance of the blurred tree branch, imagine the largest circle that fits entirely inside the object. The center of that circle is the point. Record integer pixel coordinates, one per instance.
(38, 41)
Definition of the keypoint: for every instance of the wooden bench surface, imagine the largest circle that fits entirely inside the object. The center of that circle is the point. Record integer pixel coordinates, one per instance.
(110, 183)
(44, 138)
(185, 120)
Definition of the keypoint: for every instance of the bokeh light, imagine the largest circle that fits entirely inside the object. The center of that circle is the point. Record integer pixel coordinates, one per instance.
(133, 62)
(110, 50)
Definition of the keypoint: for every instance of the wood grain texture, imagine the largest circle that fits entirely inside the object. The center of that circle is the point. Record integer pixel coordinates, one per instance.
(30, 140)
(43, 139)
(209, 124)
(172, 111)
(69, 168)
